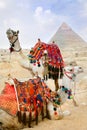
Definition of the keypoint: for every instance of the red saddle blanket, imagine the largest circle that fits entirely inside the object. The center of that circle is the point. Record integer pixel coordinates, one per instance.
(53, 51)
(8, 100)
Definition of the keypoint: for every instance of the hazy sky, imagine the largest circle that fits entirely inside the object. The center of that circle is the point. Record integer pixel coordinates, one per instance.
(41, 19)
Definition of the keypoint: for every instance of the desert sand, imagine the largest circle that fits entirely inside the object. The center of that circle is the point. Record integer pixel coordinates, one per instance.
(77, 119)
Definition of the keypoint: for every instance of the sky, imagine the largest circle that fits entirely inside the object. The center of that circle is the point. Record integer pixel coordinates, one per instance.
(41, 19)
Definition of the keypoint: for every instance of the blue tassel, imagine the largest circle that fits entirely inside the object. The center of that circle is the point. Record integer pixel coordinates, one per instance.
(39, 98)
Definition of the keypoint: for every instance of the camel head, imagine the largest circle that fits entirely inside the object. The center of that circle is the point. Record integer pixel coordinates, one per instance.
(13, 39)
(70, 75)
(12, 35)
(73, 69)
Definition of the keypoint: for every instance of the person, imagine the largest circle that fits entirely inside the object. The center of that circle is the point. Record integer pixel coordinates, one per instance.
(45, 60)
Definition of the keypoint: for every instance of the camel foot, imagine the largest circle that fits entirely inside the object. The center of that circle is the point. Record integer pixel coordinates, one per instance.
(75, 103)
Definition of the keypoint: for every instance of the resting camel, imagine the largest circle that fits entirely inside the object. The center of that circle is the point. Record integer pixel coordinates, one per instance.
(11, 118)
(24, 102)
(44, 59)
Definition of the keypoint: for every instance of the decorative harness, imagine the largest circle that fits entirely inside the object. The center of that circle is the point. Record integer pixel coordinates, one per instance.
(66, 73)
(12, 45)
(72, 77)
(32, 91)
(33, 96)
(72, 74)
(53, 60)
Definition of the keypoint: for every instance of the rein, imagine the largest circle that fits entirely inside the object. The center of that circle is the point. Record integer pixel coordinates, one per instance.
(14, 41)
(66, 73)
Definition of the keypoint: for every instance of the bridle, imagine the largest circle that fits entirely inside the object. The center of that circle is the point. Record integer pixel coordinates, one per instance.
(12, 46)
(66, 73)
(14, 41)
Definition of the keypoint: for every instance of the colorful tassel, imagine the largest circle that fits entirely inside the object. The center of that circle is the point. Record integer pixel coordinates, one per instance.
(61, 73)
(30, 120)
(19, 116)
(42, 112)
(24, 118)
(36, 117)
(47, 112)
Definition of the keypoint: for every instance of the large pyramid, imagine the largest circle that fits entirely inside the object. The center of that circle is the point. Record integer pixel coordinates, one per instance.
(66, 37)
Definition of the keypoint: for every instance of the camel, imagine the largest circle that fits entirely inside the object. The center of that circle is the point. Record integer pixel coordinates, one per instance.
(51, 101)
(7, 121)
(44, 59)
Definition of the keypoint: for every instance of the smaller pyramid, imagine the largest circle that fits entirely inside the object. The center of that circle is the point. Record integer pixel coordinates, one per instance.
(66, 37)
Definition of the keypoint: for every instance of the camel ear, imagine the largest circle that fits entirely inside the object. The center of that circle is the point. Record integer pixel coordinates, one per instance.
(17, 31)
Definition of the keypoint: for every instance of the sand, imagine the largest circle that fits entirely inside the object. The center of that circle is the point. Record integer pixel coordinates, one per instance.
(77, 119)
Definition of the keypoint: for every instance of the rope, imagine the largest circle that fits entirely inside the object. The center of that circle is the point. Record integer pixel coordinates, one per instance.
(9, 75)
(81, 92)
(53, 102)
(12, 44)
(71, 79)
(68, 75)
(17, 97)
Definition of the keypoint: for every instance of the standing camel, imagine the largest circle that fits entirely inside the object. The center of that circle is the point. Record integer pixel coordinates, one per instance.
(45, 59)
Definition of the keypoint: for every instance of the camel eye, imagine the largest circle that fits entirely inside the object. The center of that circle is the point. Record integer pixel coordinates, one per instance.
(54, 109)
(71, 69)
(80, 67)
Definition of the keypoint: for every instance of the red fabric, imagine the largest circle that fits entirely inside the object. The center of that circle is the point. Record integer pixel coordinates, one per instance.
(8, 100)
(54, 53)
(31, 95)
(28, 92)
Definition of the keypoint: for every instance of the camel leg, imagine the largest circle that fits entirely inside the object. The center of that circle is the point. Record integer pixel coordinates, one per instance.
(56, 84)
(74, 102)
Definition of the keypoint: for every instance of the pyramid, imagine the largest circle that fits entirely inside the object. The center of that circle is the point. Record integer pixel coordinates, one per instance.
(66, 37)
